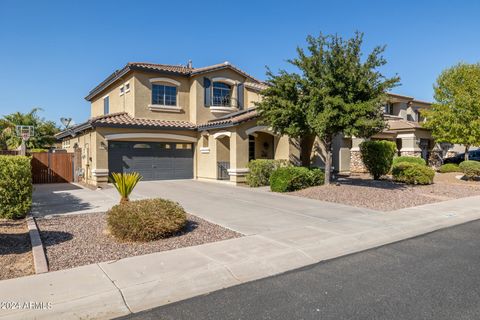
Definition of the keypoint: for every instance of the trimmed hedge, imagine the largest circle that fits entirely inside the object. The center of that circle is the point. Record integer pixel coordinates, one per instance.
(412, 173)
(377, 156)
(470, 168)
(288, 179)
(449, 167)
(146, 220)
(15, 186)
(260, 171)
(409, 159)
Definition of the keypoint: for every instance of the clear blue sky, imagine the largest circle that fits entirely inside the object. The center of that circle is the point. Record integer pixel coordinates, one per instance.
(53, 52)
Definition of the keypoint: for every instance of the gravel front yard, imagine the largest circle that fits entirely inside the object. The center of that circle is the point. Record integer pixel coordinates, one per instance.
(77, 240)
(16, 258)
(385, 195)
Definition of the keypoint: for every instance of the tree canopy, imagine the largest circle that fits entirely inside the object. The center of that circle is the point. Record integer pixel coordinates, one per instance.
(455, 115)
(335, 91)
(44, 130)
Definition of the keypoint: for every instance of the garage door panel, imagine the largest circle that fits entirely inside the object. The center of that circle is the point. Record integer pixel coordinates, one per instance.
(153, 160)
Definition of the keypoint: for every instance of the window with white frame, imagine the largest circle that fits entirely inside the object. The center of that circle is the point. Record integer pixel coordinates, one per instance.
(106, 105)
(222, 93)
(127, 87)
(164, 95)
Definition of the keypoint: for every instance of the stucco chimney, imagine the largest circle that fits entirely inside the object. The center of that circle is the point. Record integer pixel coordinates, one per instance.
(189, 64)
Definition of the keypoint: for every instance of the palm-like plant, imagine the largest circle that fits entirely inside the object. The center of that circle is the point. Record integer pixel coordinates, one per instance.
(125, 183)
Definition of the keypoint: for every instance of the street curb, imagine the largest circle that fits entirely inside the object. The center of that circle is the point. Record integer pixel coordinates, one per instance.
(39, 258)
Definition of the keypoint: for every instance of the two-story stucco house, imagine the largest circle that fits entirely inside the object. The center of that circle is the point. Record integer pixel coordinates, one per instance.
(174, 122)
(180, 122)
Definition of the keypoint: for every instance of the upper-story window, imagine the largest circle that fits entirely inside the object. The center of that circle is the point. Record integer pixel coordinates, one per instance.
(106, 105)
(222, 93)
(388, 109)
(164, 95)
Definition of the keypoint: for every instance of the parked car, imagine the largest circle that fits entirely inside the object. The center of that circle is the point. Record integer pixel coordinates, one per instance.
(472, 155)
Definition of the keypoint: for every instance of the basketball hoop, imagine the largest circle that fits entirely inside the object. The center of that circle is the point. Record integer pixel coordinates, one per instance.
(25, 132)
(25, 136)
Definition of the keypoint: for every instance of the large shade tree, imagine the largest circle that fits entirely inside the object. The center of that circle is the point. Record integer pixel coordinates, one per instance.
(44, 130)
(455, 115)
(335, 91)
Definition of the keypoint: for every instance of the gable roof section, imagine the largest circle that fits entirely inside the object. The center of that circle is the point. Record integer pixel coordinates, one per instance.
(168, 69)
(124, 120)
(230, 120)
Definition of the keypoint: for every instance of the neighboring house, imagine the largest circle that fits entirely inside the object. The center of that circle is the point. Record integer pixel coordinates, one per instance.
(174, 122)
(403, 115)
(180, 122)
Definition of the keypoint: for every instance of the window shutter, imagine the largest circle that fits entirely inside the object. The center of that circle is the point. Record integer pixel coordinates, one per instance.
(240, 95)
(208, 92)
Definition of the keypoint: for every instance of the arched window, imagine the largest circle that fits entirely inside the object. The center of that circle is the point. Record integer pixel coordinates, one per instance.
(222, 94)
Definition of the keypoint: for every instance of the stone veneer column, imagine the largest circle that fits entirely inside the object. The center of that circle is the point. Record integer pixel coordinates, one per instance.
(356, 163)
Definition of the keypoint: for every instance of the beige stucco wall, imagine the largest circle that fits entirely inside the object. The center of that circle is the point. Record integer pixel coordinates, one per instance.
(118, 103)
(143, 97)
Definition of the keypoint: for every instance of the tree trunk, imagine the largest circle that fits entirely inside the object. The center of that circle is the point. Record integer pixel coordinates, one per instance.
(306, 146)
(328, 160)
(467, 147)
(124, 200)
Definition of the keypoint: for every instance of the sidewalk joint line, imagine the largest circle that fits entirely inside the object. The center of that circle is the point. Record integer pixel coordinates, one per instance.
(119, 290)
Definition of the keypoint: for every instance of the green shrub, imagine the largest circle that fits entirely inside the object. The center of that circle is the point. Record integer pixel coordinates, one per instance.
(146, 220)
(15, 186)
(125, 183)
(412, 173)
(37, 150)
(409, 159)
(288, 179)
(261, 169)
(470, 168)
(449, 167)
(377, 156)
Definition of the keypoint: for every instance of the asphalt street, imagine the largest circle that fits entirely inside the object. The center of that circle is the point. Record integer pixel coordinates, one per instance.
(435, 276)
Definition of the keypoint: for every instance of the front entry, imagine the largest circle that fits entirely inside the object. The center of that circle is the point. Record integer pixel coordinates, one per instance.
(153, 160)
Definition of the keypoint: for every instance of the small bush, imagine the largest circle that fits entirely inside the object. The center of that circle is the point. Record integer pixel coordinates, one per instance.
(377, 156)
(261, 169)
(471, 169)
(15, 186)
(146, 220)
(288, 179)
(409, 159)
(449, 167)
(412, 173)
(37, 150)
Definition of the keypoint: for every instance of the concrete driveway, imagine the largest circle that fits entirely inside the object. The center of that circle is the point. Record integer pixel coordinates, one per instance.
(282, 233)
(248, 211)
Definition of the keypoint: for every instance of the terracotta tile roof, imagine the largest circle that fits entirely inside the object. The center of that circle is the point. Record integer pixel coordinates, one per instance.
(231, 119)
(124, 119)
(161, 67)
(168, 68)
(400, 124)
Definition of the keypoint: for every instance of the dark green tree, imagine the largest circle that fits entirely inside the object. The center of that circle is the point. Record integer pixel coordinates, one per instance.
(44, 130)
(336, 91)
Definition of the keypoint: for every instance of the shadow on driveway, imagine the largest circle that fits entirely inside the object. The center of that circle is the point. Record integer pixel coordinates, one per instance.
(63, 198)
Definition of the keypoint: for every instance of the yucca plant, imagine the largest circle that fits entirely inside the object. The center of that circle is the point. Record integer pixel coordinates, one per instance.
(125, 183)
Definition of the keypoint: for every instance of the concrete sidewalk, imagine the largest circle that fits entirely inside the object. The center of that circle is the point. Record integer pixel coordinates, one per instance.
(282, 239)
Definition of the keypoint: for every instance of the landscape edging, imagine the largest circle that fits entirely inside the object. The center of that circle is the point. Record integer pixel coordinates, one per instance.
(39, 257)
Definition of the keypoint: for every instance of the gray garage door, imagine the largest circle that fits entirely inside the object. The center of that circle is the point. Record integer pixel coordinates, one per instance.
(153, 160)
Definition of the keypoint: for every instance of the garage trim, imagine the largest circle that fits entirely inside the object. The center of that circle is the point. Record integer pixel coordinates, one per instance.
(150, 136)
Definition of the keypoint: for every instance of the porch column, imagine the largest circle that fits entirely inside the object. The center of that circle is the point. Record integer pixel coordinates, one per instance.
(238, 157)
(409, 145)
(356, 163)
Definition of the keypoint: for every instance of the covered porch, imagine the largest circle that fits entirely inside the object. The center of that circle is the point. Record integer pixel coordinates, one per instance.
(225, 151)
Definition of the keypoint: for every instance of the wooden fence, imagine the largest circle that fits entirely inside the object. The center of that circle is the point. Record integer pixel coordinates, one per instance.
(52, 167)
